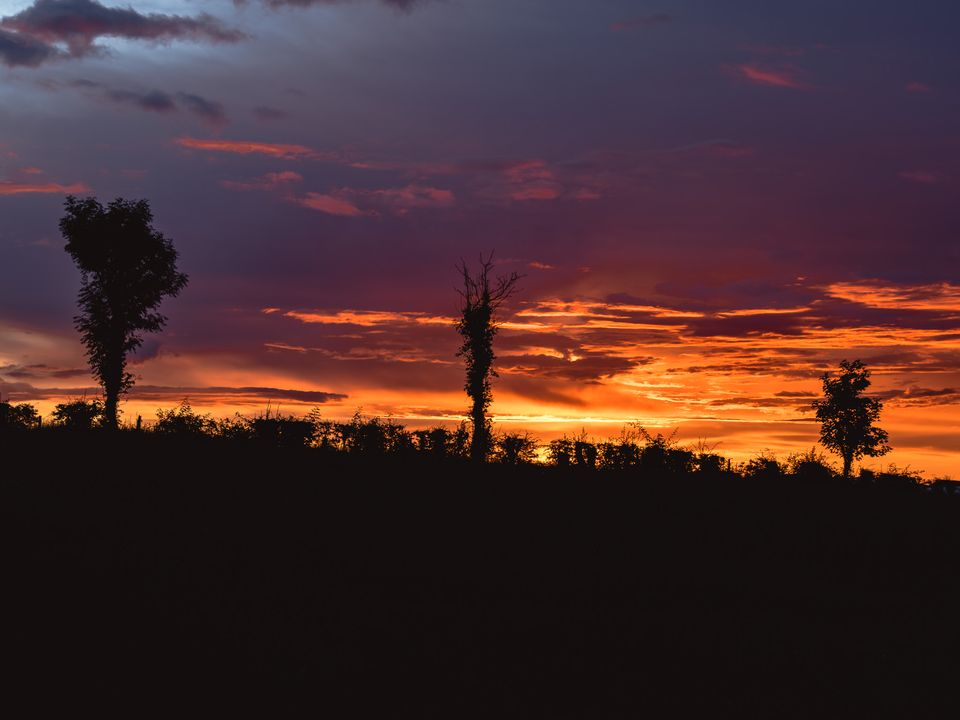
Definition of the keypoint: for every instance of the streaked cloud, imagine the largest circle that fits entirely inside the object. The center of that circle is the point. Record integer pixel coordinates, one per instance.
(246, 147)
(50, 188)
(270, 181)
(771, 77)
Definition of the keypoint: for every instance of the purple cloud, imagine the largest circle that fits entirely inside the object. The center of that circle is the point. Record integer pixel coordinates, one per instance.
(80, 23)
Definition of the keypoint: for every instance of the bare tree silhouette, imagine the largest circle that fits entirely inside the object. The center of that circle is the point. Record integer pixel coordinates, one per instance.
(127, 269)
(848, 418)
(480, 298)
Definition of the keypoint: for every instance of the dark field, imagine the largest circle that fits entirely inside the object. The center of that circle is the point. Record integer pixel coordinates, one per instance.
(157, 578)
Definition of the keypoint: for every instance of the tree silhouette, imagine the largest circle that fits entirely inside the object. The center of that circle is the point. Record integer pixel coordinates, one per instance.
(18, 417)
(480, 299)
(127, 269)
(848, 418)
(78, 414)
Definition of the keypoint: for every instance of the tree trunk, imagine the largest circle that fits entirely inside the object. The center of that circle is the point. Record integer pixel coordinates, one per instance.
(847, 464)
(112, 385)
(480, 440)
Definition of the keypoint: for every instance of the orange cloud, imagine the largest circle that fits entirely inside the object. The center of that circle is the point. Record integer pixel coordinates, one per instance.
(364, 318)
(15, 188)
(931, 297)
(242, 147)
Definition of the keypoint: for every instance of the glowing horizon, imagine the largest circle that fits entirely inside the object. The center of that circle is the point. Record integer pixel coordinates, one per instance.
(711, 206)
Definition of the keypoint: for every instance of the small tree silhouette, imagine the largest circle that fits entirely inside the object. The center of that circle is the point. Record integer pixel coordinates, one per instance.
(127, 269)
(18, 417)
(848, 418)
(480, 299)
(79, 414)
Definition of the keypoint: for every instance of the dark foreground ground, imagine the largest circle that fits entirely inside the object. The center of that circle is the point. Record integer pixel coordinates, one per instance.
(165, 581)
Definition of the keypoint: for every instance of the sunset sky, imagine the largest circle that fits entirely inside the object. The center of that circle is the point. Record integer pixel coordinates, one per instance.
(712, 203)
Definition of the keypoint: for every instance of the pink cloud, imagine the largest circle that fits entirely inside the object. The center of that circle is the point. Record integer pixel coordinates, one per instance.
(330, 205)
(270, 181)
(536, 193)
(924, 177)
(413, 196)
(782, 78)
(531, 180)
(353, 202)
(918, 87)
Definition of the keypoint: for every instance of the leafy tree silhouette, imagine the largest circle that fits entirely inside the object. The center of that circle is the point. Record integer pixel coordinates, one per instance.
(848, 418)
(127, 269)
(480, 299)
(516, 448)
(78, 414)
(18, 417)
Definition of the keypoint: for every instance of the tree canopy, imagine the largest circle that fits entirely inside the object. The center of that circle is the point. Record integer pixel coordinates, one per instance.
(127, 269)
(848, 417)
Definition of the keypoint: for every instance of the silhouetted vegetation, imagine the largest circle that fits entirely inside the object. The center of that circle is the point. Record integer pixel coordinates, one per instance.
(237, 576)
(848, 418)
(79, 414)
(22, 416)
(481, 297)
(127, 269)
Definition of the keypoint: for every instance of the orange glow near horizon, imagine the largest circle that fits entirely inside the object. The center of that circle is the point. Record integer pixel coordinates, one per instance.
(569, 365)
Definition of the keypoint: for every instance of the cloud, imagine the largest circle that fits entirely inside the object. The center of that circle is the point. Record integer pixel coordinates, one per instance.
(354, 202)
(922, 397)
(330, 205)
(264, 113)
(362, 318)
(782, 77)
(15, 188)
(210, 111)
(18, 50)
(923, 177)
(21, 391)
(78, 24)
(159, 101)
(41, 370)
(153, 101)
(411, 196)
(933, 297)
(275, 4)
(270, 181)
(641, 22)
(917, 87)
(245, 147)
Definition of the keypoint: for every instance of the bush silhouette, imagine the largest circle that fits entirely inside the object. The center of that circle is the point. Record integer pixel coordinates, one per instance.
(183, 421)
(516, 448)
(78, 414)
(810, 467)
(18, 417)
